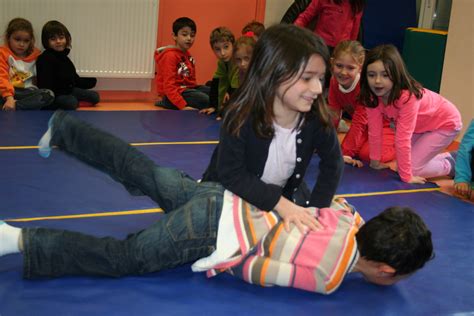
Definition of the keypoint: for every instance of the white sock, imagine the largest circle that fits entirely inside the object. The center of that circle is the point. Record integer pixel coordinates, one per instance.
(9, 236)
(44, 147)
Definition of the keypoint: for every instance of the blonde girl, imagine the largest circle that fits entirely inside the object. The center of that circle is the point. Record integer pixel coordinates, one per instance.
(346, 65)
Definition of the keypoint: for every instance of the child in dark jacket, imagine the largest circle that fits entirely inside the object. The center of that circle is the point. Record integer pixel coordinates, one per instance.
(57, 72)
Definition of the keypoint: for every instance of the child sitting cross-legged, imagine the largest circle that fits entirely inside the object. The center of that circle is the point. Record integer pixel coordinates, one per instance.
(176, 71)
(58, 73)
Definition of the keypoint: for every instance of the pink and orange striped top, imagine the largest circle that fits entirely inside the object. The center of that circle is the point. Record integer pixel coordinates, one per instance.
(269, 255)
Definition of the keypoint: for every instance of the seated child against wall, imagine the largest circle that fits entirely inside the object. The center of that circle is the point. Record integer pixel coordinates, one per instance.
(226, 77)
(18, 70)
(57, 72)
(254, 29)
(176, 71)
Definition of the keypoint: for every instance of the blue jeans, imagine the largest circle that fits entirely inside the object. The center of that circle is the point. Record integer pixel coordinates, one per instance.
(71, 101)
(31, 98)
(197, 98)
(186, 232)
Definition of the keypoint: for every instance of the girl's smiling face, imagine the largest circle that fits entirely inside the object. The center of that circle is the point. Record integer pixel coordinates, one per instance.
(298, 94)
(57, 42)
(345, 69)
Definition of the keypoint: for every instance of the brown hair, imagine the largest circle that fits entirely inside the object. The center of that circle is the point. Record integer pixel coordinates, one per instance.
(20, 24)
(254, 26)
(221, 34)
(244, 41)
(397, 72)
(279, 55)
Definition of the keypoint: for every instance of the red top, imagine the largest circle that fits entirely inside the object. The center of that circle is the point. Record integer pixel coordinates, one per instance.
(176, 72)
(335, 23)
(339, 101)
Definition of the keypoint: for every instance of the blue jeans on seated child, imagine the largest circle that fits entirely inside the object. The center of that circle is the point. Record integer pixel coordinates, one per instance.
(186, 232)
(31, 98)
(197, 98)
(71, 101)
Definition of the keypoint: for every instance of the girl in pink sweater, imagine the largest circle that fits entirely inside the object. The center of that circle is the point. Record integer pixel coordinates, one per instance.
(346, 65)
(425, 122)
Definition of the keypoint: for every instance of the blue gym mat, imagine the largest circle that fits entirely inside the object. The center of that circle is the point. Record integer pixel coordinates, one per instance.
(35, 187)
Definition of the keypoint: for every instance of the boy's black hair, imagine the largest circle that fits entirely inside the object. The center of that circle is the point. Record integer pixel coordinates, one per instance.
(54, 28)
(179, 23)
(398, 237)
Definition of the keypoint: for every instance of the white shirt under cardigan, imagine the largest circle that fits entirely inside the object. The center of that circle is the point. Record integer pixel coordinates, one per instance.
(279, 167)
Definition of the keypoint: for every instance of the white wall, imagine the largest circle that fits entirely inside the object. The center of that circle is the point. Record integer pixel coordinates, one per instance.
(457, 81)
(274, 11)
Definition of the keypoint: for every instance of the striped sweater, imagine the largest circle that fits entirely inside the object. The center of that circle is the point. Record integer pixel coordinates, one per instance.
(269, 255)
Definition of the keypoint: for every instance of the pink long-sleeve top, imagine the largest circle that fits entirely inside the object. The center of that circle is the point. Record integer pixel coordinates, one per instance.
(410, 115)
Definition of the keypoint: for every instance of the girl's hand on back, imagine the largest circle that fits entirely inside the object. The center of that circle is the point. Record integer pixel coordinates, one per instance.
(9, 104)
(375, 164)
(298, 215)
(416, 179)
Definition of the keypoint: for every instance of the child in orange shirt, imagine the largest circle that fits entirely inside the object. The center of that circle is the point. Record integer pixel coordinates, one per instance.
(18, 70)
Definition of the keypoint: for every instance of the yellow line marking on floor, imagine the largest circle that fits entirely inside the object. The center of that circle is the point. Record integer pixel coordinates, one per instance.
(205, 142)
(103, 214)
(386, 192)
(159, 210)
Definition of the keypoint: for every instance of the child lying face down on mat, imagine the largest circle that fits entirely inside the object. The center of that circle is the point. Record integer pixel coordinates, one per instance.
(216, 229)
(309, 248)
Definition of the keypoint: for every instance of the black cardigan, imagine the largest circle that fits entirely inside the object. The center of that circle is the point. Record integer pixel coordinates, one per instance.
(238, 163)
(55, 71)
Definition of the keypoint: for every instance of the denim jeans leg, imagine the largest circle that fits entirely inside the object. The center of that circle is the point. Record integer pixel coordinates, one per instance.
(169, 187)
(196, 98)
(182, 236)
(86, 95)
(33, 99)
(167, 104)
(65, 102)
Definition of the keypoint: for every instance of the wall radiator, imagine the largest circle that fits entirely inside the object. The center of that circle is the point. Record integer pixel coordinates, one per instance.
(110, 38)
